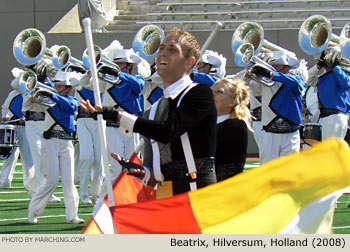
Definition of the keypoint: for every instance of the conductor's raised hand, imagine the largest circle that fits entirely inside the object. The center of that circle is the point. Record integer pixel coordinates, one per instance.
(129, 167)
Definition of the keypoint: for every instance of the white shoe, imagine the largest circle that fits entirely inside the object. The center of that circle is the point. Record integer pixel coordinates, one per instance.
(348, 205)
(54, 199)
(32, 218)
(76, 220)
(95, 199)
(85, 200)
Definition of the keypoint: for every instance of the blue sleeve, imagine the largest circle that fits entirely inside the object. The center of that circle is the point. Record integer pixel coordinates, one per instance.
(69, 104)
(204, 78)
(293, 81)
(342, 77)
(135, 81)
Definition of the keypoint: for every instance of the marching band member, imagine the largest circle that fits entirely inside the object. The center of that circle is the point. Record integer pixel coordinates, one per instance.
(125, 95)
(210, 68)
(333, 85)
(90, 157)
(191, 111)
(58, 151)
(231, 99)
(281, 106)
(34, 115)
(11, 110)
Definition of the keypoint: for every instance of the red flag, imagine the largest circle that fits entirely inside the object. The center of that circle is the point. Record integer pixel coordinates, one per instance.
(126, 190)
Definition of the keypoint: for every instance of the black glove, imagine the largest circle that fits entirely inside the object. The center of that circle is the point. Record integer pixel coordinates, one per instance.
(321, 64)
(262, 71)
(132, 168)
(110, 113)
(109, 70)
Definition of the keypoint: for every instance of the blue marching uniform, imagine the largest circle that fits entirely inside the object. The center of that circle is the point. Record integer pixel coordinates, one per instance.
(90, 158)
(58, 158)
(333, 97)
(281, 116)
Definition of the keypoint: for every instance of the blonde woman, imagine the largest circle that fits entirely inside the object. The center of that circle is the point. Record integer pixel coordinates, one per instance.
(233, 122)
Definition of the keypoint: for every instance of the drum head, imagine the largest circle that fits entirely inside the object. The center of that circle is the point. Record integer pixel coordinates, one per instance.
(311, 100)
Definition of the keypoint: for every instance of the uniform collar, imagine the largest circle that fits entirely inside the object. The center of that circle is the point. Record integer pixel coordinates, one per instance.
(177, 87)
(222, 118)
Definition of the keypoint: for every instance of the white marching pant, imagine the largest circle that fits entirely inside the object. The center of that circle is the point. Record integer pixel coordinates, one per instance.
(8, 168)
(122, 144)
(29, 181)
(34, 130)
(90, 157)
(258, 131)
(57, 158)
(275, 145)
(334, 125)
(76, 163)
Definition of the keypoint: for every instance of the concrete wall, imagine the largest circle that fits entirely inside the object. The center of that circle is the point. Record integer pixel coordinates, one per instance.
(16, 15)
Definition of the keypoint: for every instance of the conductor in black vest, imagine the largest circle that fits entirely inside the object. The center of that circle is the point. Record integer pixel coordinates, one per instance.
(182, 143)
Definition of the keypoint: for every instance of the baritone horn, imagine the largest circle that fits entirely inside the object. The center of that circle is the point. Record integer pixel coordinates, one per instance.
(106, 68)
(315, 36)
(250, 49)
(147, 41)
(39, 92)
(29, 47)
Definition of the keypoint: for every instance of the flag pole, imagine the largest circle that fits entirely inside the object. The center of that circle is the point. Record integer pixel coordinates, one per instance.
(101, 123)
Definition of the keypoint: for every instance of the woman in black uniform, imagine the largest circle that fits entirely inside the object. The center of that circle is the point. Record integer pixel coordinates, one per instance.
(233, 122)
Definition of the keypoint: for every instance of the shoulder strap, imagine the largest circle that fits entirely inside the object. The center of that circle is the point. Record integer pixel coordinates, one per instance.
(186, 145)
(155, 148)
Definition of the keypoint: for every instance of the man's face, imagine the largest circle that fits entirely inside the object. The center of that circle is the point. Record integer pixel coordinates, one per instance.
(62, 89)
(282, 68)
(203, 67)
(171, 62)
(125, 67)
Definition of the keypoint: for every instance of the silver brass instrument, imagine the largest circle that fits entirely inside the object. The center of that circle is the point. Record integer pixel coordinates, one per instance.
(29, 85)
(147, 40)
(250, 49)
(29, 47)
(315, 36)
(102, 63)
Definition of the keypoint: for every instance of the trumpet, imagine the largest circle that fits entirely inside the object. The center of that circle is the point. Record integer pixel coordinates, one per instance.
(315, 36)
(250, 50)
(39, 92)
(29, 48)
(147, 41)
(107, 69)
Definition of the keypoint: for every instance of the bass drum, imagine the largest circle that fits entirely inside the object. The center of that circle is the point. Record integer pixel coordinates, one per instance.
(311, 103)
(7, 140)
(312, 133)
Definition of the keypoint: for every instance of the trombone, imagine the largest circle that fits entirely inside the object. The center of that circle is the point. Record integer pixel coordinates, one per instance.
(250, 49)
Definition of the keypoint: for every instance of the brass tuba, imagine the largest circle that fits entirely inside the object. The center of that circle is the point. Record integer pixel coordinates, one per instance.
(147, 40)
(29, 48)
(39, 92)
(250, 49)
(315, 36)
